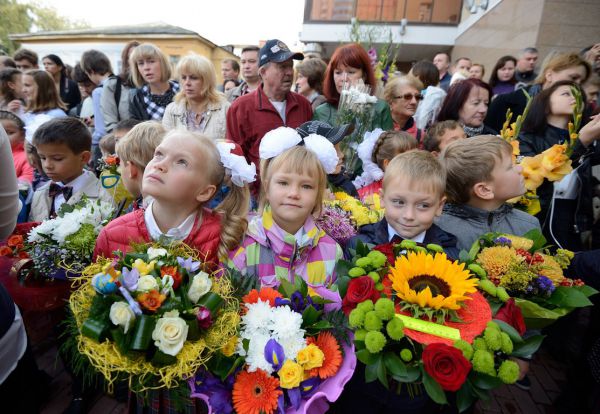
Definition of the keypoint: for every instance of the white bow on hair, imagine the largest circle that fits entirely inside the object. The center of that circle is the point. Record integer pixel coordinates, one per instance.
(371, 171)
(281, 139)
(241, 172)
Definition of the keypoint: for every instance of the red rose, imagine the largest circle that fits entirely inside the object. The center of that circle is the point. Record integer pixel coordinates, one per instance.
(512, 315)
(359, 290)
(446, 365)
(388, 250)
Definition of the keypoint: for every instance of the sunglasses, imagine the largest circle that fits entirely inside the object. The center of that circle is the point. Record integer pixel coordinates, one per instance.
(409, 96)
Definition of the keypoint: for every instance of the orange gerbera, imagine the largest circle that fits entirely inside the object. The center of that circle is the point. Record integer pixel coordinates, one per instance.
(333, 355)
(265, 294)
(151, 300)
(255, 393)
(171, 271)
(15, 240)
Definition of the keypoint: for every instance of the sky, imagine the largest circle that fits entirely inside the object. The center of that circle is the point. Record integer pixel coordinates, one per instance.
(220, 21)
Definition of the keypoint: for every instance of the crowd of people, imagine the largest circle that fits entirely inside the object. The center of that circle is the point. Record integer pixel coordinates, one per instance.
(443, 174)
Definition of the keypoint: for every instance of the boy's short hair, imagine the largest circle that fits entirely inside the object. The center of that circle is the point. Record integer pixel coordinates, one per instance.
(138, 145)
(471, 161)
(95, 61)
(126, 124)
(80, 76)
(432, 138)
(107, 143)
(69, 131)
(420, 167)
(26, 54)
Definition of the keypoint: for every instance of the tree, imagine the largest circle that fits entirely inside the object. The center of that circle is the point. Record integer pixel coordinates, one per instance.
(29, 17)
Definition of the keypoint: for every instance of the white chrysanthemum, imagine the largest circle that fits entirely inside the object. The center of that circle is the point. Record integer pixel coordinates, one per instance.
(292, 344)
(65, 229)
(45, 228)
(257, 320)
(256, 354)
(286, 322)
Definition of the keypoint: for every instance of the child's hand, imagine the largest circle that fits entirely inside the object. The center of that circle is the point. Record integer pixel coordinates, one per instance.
(591, 131)
(14, 106)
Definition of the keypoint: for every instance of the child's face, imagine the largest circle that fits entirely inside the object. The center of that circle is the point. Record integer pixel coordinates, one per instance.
(507, 180)
(292, 198)
(409, 209)
(15, 135)
(177, 173)
(60, 163)
(131, 177)
(451, 135)
(29, 88)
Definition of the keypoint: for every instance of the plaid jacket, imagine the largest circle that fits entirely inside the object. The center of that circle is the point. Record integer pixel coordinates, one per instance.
(271, 254)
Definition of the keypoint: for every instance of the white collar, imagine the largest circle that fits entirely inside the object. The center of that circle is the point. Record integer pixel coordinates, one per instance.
(78, 184)
(419, 238)
(180, 232)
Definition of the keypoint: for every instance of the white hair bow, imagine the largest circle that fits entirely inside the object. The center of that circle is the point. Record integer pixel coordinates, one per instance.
(281, 139)
(371, 171)
(241, 172)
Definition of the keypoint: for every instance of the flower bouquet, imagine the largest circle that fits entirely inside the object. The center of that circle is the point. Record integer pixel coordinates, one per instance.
(360, 214)
(337, 223)
(289, 356)
(355, 107)
(521, 267)
(62, 247)
(424, 325)
(152, 316)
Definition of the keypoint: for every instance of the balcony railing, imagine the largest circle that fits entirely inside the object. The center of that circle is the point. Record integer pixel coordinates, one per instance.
(445, 12)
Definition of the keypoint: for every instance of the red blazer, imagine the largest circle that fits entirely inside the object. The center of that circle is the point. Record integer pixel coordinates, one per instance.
(131, 228)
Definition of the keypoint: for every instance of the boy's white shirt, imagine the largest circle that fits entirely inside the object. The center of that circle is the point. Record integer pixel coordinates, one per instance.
(180, 232)
(86, 183)
(418, 238)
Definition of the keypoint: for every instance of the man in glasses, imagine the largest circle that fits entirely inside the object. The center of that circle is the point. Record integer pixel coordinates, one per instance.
(403, 95)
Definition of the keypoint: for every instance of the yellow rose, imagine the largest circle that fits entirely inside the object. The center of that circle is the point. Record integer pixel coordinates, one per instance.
(310, 357)
(143, 267)
(291, 374)
(533, 172)
(229, 348)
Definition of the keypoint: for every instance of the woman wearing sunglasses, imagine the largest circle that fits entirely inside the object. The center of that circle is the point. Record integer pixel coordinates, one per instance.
(403, 94)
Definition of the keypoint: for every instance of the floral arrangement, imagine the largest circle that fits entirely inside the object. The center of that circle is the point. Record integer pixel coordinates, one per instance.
(14, 247)
(360, 214)
(152, 316)
(109, 163)
(337, 223)
(288, 355)
(63, 246)
(355, 107)
(424, 324)
(521, 267)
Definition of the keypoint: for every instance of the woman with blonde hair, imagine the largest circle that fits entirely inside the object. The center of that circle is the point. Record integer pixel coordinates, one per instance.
(199, 106)
(151, 74)
(556, 67)
(403, 94)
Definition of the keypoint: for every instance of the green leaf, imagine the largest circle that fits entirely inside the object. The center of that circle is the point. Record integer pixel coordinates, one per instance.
(342, 283)
(160, 359)
(465, 397)
(568, 297)
(94, 328)
(300, 286)
(376, 370)
(370, 372)
(142, 333)
(510, 331)
(586, 290)
(310, 316)
(193, 330)
(434, 390)
(475, 247)
(485, 382)
(465, 257)
(366, 357)
(394, 364)
(286, 288)
(382, 373)
(212, 302)
(528, 347)
(539, 241)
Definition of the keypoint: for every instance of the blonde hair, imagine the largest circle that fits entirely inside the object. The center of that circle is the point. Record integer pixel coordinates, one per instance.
(557, 62)
(145, 51)
(233, 209)
(297, 160)
(203, 68)
(138, 145)
(470, 161)
(391, 88)
(419, 167)
(391, 143)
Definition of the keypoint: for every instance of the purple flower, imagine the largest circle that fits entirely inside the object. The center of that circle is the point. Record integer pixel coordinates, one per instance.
(204, 318)
(309, 386)
(337, 224)
(130, 278)
(188, 264)
(274, 354)
(295, 397)
(502, 241)
(211, 389)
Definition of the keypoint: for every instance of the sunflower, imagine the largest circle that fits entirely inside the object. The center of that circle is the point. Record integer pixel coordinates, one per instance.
(255, 393)
(331, 350)
(431, 281)
(497, 260)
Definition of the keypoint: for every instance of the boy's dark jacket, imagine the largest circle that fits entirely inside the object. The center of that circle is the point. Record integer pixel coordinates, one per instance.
(378, 234)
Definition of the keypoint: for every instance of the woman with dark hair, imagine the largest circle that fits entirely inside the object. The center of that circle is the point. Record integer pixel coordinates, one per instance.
(309, 81)
(116, 89)
(467, 102)
(351, 64)
(433, 95)
(69, 92)
(11, 96)
(502, 78)
(563, 217)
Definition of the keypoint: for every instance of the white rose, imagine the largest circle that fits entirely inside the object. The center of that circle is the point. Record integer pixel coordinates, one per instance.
(121, 314)
(201, 284)
(155, 253)
(170, 333)
(147, 283)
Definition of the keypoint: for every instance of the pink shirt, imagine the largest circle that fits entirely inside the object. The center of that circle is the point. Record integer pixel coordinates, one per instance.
(22, 167)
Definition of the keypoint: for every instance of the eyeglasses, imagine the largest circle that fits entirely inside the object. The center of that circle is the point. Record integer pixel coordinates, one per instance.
(409, 96)
(109, 181)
